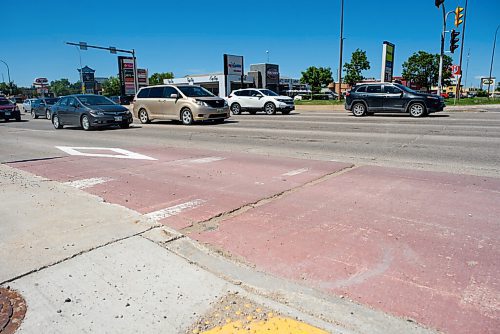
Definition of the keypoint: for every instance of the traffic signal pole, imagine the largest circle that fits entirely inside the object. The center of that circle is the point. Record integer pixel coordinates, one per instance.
(441, 54)
(458, 90)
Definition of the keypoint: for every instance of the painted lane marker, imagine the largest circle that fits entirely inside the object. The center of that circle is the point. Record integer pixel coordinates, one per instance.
(87, 183)
(206, 160)
(185, 162)
(296, 172)
(174, 210)
(122, 154)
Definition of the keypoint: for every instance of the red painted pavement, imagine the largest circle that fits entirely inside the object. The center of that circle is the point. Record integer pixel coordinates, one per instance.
(147, 186)
(415, 244)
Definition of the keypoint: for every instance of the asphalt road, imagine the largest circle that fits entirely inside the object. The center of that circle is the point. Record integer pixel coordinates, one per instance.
(456, 142)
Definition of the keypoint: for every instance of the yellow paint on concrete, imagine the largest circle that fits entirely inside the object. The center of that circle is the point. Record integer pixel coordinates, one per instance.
(278, 325)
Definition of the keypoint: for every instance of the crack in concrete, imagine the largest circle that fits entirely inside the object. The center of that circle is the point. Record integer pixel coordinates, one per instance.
(85, 251)
(214, 222)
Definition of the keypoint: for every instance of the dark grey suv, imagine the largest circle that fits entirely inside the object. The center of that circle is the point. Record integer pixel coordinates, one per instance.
(366, 99)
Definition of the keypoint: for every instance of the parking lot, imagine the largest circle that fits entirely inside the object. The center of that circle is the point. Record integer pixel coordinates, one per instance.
(397, 214)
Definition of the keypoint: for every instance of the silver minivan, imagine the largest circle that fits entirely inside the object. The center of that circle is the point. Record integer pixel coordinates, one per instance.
(186, 103)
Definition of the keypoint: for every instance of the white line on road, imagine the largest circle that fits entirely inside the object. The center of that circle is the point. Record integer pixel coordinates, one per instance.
(184, 162)
(296, 172)
(174, 210)
(87, 183)
(122, 154)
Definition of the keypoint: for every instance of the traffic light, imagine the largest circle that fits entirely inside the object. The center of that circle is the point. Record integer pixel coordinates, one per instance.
(454, 40)
(458, 16)
(438, 3)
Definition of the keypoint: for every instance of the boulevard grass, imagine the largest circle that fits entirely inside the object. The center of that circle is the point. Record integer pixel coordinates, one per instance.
(319, 102)
(449, 102)
(472, 101)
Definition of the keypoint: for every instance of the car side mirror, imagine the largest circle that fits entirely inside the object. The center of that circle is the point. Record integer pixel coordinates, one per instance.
(174, 96)
(401, 94)
(259, 96)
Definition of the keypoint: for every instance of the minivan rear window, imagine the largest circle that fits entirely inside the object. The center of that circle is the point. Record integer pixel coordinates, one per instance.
(156, 92)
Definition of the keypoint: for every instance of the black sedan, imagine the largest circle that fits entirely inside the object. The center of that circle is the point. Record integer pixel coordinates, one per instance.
(41, 107)
(89, 111)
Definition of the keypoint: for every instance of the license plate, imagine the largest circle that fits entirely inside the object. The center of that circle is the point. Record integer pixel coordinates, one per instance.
(118, 118)
(7, 113)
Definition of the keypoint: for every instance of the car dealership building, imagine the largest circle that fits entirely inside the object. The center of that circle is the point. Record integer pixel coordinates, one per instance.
(223, 83)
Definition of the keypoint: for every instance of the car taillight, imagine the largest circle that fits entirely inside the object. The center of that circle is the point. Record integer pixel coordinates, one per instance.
(348, 93)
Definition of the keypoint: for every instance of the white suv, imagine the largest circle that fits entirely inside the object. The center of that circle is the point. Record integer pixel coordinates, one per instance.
(254, 99)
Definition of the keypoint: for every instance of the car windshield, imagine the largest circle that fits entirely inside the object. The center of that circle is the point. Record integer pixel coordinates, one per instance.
(51, 101)
(95, 100)
(4, 102)
(195, 91)
(268, 92)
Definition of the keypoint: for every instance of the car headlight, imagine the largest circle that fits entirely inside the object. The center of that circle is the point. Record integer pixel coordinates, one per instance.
(225, 103)
(433, 97)
(200, 103)
(96, 113)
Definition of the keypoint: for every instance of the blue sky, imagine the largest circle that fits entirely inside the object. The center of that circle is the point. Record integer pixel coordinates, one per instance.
(189, 37)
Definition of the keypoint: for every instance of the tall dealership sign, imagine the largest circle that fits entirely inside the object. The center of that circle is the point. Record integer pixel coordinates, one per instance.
(233, 65)
(387, 62)
(126, 72)
(142, 77)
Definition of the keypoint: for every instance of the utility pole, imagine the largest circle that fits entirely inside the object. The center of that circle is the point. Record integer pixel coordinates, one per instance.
(458, 90)
(341, 47)
(492, 57)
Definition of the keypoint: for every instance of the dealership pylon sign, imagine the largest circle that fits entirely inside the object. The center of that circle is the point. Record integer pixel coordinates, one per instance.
(387, 62)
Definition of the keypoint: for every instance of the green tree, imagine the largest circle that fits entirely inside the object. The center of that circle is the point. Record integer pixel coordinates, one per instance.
(61, 87)
(111, 87)
(317, 77)
(422, 68)
(359, 62)
(7, 89)
(157, 78)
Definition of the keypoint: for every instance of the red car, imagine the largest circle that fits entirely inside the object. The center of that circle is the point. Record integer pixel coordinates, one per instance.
(445, 95)
(9, 110)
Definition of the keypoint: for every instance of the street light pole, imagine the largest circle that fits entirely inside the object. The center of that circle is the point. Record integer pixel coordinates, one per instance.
(8, 76)
(341, 49)
(492, 57)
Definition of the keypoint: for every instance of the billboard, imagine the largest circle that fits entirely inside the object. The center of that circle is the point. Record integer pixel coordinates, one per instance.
(387, 62)
(126, 75)
(233, 65)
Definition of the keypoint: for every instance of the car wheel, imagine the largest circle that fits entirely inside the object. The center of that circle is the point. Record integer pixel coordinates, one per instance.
(56, 123)
(358, 109)
(85, 122)
(143, 116)
(18, 118)
(417, 110)
(47, 114)
(33, 114)
(125, 126)
(236, 108)
(186, 116)
(270, 108)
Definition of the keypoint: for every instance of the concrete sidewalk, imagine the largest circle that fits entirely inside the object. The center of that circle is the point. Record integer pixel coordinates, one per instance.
(87, 266)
